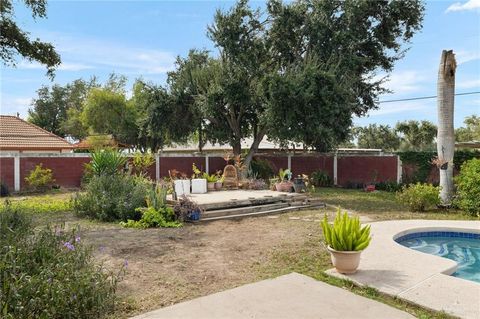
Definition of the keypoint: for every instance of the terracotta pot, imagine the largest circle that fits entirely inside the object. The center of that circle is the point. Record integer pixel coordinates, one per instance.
(218, 185)
(345, 262)
(211, 186)
(284, 186)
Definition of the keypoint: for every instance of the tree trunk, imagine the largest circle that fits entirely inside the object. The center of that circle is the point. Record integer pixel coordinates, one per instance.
(254, 147)
(445, 133)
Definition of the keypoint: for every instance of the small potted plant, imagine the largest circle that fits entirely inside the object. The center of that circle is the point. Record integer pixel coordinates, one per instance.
(211, 180)
(284, 184)
(345, 240)
(219, 182)
(187, 210)
(372, 185)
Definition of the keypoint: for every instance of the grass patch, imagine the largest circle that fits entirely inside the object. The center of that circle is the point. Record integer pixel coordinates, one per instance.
(382, 205)
(312, 259)
(39, 204)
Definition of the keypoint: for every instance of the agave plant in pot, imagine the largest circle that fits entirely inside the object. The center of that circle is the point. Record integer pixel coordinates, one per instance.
(284, 184)
(345, 239)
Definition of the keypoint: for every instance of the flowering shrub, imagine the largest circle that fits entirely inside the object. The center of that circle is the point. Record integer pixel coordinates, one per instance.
(50, 273)
(112, 197)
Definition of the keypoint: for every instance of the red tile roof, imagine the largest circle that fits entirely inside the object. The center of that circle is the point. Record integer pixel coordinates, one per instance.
(17, 134)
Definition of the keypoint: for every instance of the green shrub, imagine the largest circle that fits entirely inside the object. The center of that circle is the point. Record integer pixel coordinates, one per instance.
(388, 186)
(4, 191)
(419, 197)
(346, 233)
(40, 179)
(320, 179)
(50, 273)
(468, 187)
(112, 197)
(151, 217)
(106, 162)
(263, 169)
(141, 162)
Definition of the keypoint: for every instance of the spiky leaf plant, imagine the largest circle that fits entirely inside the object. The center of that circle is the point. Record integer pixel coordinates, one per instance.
(346, 233)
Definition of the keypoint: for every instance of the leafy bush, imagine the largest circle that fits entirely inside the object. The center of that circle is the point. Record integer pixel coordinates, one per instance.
(112, 197)
(106, 162)
(263, 169)
(40, 179)
(468, 187)
(320, 179)
(346, 233)
(141, 162)
(388, 186)
(50, 273)
(419, 197)
(151, 217)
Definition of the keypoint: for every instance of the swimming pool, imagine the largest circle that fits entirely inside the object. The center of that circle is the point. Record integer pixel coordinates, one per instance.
(464, 248)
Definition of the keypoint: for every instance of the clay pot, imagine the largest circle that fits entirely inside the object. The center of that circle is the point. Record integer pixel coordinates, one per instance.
(345, 262)
(211, 186)
(218, 185)
(284, 186)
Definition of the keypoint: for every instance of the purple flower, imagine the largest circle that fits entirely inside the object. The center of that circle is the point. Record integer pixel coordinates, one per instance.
(69, 245)
(102, 249)
(77, 239)
(125, 263)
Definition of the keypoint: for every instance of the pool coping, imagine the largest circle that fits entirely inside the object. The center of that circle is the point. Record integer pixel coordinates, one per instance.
(415, 276)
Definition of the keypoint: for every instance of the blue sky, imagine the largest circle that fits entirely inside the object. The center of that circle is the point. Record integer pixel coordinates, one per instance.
(142, 39)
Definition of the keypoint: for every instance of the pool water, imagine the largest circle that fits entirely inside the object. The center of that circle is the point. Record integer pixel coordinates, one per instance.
(464, 248)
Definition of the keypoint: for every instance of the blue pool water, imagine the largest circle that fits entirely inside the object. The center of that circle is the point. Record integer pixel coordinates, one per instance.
(464, 248)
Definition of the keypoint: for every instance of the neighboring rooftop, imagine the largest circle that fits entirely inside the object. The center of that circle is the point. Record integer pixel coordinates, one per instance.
(19, 135)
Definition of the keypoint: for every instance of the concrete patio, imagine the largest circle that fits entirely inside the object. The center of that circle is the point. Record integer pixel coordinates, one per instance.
(418, 277)
(289, 296)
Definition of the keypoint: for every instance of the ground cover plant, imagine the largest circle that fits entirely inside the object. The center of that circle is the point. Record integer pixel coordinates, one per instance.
(42, 203)
(40, 179)
(50, 272)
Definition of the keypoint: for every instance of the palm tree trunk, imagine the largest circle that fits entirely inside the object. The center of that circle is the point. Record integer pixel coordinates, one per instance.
(445, 133)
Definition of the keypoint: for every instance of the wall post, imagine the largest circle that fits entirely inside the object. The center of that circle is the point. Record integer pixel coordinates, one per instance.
(157, 166)
(16, 172)
(399, 170)
(335, 169)
(289, 162)
(207, 168)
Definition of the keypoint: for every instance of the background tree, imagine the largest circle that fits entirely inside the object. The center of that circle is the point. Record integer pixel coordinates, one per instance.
(299, 71)
(471, 131)
(377, 136)
(57, 109)
(50, 109)
(417, 136)
(15, 41)
(446, 134)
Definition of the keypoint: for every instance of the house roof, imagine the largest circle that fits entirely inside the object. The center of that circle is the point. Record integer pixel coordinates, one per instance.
(17, 134)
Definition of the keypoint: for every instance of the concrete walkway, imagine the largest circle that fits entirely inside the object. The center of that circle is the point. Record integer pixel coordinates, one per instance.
(415, 276)
(289, 296)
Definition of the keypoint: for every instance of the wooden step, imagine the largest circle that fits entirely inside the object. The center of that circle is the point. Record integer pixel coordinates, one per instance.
(243, 210)
(256, 214)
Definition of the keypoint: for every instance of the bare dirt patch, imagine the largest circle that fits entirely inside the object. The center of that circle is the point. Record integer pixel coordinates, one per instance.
(166, 266)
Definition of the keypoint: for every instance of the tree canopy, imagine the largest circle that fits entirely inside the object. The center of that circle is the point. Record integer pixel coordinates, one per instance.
(417, 136)
(471, 131)
(14, 41)
(377, 136)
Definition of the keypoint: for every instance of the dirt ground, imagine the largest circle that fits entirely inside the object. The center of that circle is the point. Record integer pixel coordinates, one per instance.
(166, 266)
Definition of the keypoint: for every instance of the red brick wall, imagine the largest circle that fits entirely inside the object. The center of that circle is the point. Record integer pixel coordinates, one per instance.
(361, 169)
(6, 172)
(308, 164)
(181, 164)
(67, 171)
(216, 164)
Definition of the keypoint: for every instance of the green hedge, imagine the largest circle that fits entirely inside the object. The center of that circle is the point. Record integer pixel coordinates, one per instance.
(422, 161)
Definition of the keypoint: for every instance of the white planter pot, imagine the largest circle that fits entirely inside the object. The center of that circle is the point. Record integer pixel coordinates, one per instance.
(182, 187)
(199, 186)
(345, 262)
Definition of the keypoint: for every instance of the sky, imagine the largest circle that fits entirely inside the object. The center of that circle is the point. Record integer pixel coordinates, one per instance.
(141, 39)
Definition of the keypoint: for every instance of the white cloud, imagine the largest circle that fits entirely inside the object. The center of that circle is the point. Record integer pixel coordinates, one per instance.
(66, 66)
(115, 56)
(400, 107)
(466, 56)
(469, 5)
(401, 82)
(10, 105)
(468, 84)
